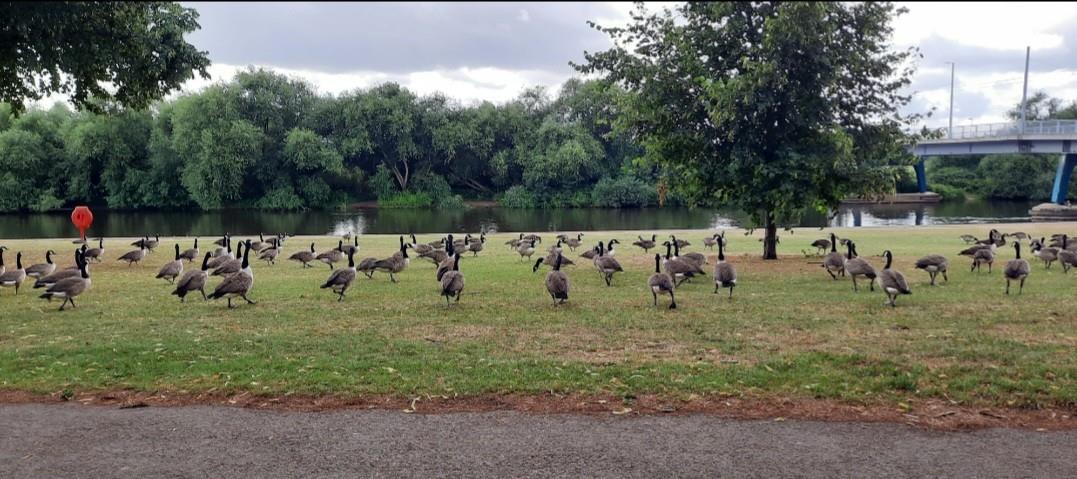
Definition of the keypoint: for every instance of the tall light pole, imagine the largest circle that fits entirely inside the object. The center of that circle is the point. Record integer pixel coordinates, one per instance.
(951, 129)
(1024, 90)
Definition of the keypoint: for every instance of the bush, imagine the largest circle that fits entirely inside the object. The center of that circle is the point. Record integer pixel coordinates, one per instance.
(953, 176)
(624, 192)
(518, 197)
(281, 198)
(382, 182)
(1017, 177)
(948, 192)
(451, 202)
(47, 201)
(406, 200)
(905, 181)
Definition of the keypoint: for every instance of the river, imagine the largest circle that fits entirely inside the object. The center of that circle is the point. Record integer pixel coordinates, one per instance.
(378, 221)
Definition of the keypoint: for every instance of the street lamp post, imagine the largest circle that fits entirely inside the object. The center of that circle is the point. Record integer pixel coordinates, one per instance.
(950, 130)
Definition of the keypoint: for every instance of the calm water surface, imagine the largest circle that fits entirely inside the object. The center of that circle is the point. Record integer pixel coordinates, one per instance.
(375, 221)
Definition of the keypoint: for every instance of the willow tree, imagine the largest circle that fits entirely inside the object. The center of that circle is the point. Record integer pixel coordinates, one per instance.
(771, 107)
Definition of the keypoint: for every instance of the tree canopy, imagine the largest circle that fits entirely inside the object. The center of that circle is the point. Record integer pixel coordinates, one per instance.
(767, 106)
(129, 52)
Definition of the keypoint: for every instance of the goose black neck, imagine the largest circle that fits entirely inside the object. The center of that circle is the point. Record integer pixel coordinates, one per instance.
(18, 260)
(177, 252)
(721, 252)
(1017, 248)
(557, 263)
(101, 242)
(205, 262)
(196, 243)
(351, 259)
(889, 260)
(676, 248)
(657, 263)
(1, 257)
(456, 263)
(668, 248)
(340, 245)
(246, 254)
(833, 243)
(48, 256)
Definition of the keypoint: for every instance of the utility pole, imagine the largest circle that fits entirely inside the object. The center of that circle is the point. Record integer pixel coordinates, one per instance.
(1024, 91)
(950, 130)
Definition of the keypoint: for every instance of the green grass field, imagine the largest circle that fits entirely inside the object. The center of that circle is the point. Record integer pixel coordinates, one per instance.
(789, 332)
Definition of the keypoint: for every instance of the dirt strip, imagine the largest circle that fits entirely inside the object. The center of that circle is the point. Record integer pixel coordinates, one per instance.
(930, 414)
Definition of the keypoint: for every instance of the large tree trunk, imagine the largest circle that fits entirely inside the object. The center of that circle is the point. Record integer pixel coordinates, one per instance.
(770, 240)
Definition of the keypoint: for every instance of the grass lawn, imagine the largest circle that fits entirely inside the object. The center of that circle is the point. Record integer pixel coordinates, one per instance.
(789, 332)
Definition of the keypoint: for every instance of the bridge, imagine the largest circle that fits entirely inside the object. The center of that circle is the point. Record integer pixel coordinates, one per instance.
(1030, 137)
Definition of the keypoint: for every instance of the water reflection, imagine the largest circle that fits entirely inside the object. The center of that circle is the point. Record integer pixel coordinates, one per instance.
(375, 221)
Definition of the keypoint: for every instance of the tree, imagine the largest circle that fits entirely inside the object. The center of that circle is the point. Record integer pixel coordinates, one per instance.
(78, 48)
(768, 106)
(1044, 107)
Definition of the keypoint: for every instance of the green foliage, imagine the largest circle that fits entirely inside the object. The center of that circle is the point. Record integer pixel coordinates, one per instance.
(47, 201)
(79, 48)
(518, 196)
(954, 176)
(282, 197)
(1016, 176)
(406, 200)
(306, 151)
(623, 192)
(948, 192)
(382, 183)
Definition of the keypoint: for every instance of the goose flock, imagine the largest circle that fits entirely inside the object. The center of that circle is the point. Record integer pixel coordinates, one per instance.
(671, 270)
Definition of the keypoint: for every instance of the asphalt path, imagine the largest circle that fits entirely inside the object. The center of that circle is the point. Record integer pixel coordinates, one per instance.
(71, 440)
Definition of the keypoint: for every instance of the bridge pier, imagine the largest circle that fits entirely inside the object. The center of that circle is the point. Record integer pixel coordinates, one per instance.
(921, 175)
(1062, 178)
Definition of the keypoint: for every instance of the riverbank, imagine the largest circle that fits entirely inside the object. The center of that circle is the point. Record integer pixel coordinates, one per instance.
(790, 332)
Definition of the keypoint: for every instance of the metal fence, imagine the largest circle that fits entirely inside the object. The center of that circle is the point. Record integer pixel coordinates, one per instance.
(1066, 128)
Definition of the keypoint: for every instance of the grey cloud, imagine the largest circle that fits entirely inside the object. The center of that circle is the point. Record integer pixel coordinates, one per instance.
(980, 60)
(399, 37)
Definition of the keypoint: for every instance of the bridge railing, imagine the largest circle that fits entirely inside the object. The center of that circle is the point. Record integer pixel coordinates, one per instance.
(996, 130)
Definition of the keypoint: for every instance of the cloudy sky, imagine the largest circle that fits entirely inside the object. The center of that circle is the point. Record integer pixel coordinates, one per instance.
(492, 51)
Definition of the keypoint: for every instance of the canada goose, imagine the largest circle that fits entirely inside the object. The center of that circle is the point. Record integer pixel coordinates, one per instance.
(609, 251)
(56, 276)
(1066, 257)
(439, 244)
(238, 284)
(191, 254)
(679, 268)
(339, 280)
(1016, 270)
(590, 254)
(574, 243)
(1048, 255)
(859, 267)
(69, 288)
(352, 248)
(193, 280)
(95, 253)
(834, 262)
(132, 257)
(969, 239)
(513, 243)
(981, 257)
(232, 266)
(606, 265)
(436, 256)
(476, 246)
(42, 269)
(222, 257)
(421, 249)
(452, 283)
(525, 248)
(991, 238)
(892, 281)
(304, 257)
(3, 269)
(710, 241)
(462, 244)
(269, 254)
(395, 263)
(725, 275)
(644, 244)
(171, 269)
(533, 238)
(556, 281)
(277, 240)
(660, 282)
(1021, 235)
(223, 247)
(697, 259)
(335, 255)
(223, 241)
(446, 264)
(260, 244)
(680, 243)
(151, 244)
(934, 264)
(14, 277)
(822, 245)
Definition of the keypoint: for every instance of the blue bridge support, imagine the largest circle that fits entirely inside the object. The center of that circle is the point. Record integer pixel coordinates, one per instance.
(921, 175)
(1062, 178)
